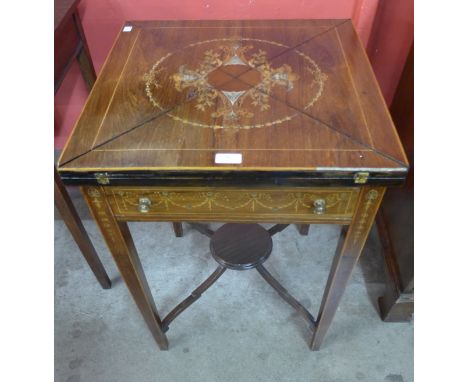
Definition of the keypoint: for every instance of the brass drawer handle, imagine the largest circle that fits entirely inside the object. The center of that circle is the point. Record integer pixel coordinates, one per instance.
(144, 205)
(319, 206)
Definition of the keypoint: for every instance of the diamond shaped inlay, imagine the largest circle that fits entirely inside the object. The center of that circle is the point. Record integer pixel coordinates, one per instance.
(234, 78)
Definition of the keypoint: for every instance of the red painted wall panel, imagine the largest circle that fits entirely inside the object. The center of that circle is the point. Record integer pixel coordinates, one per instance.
(392, 37)
(102, 20)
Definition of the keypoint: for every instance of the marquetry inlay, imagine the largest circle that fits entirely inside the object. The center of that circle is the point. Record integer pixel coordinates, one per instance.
(366, 216)
(125, 201)
(233, 81)
(98, 205)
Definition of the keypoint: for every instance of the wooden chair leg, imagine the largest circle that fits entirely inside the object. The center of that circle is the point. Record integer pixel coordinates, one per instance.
(120, 243)
(84, 57)
(178, 230)
(72, 221)
(351, 243)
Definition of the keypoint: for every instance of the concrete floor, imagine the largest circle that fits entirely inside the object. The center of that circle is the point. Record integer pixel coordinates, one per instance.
(240, 330)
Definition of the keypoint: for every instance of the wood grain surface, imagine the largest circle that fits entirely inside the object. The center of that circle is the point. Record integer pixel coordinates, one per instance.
(295, 95)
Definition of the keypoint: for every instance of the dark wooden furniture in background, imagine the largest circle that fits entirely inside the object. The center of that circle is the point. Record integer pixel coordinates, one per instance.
(396, 216)
(70, 44)
(235, 121)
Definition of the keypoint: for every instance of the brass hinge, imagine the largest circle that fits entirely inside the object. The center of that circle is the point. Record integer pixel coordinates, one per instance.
(361, 177)
(102, 177)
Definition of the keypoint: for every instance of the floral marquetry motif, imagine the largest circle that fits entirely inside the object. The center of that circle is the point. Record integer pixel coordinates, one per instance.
(99, 208)
(257, 201)
(233, 80)
(293, 97)
(366, 214)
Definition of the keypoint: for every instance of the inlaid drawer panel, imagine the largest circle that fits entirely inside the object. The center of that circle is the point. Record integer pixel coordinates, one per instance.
(232, 204)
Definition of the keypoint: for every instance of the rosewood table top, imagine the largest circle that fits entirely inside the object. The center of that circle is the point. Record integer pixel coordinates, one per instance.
(291, 99)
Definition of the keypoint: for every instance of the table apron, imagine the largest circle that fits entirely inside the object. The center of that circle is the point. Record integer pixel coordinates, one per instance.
(230, 204)
(228, 218)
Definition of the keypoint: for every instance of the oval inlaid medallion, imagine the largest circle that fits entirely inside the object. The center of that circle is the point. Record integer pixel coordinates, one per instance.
(233, 83)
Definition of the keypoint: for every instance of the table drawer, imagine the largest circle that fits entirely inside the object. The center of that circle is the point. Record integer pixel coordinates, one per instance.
(233, 204)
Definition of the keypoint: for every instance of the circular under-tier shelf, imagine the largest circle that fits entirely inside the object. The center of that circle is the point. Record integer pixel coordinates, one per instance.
(241, 246)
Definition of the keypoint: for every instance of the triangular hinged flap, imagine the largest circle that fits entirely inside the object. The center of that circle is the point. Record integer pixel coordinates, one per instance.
(297, 98)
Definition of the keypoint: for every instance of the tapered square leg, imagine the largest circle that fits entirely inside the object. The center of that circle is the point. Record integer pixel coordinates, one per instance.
(304, 229)
(178, 230)
(349, 249)
(73, 222)
(120, 243)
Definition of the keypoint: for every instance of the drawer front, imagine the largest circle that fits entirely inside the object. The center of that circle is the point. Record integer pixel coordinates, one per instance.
(301, 205)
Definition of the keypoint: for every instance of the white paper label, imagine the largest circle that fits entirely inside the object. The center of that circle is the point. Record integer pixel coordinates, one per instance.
(228, 158)
(127, 28)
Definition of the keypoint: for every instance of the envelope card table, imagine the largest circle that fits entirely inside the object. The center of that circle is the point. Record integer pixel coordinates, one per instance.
(240, 122)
